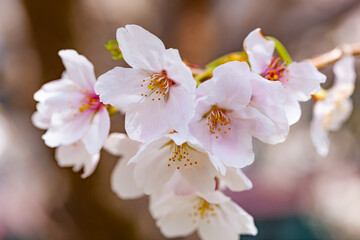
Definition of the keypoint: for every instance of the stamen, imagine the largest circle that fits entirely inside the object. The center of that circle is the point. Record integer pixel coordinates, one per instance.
(216, 117)
(159, 84)
(275, 71)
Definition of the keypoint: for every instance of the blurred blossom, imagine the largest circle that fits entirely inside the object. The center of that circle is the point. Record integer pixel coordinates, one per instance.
(336, 195)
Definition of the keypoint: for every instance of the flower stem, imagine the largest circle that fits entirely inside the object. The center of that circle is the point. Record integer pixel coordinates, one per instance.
(334, 55)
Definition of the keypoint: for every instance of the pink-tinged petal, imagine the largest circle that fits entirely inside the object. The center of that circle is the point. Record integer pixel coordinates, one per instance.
(97, 132)
(79, 69)
(120, 144)
(232, 85)
(121, 87)
(257, 124)
(178, 185)
(301, 80)
(180, 108)
(205, 89)
(269, 97)
(122, 180)
(202, 175)
(344, 71)
(140, 48)
(146, 121)
(236, 180)
(67, 128)
(76, 156)
(151, 165)
(259, 50)
(60, 95)
(62, 85)
(292, 110)
(177, 71)
(235, 148)
(201, 132)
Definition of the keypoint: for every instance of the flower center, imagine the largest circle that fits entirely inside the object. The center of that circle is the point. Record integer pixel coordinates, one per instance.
(275, 71)
(89, 102)
(180, 156)
(217, 121)
(203, 210)
(157, 86)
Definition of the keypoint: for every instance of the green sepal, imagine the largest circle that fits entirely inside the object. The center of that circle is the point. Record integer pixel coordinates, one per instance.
(235, 56)
(113, 48)
(281, 50)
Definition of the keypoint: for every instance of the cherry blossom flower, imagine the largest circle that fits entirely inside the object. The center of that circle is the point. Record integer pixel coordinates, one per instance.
(75, 119)
(213, 215)
(300, 80)
(156, 162)
(157, 93)
(122, 177)
(334, 106)
(233, 106)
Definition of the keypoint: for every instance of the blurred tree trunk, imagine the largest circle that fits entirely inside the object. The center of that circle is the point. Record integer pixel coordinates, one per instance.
(51, 26)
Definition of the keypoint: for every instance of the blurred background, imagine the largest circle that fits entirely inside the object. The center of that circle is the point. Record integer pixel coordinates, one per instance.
(296, 195)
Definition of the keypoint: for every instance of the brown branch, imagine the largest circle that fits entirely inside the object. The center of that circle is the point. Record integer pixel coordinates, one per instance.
(334, 55)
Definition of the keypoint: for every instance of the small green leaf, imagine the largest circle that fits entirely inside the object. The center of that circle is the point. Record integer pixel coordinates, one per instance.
(281, 50)
(235, 56)
(113, 48)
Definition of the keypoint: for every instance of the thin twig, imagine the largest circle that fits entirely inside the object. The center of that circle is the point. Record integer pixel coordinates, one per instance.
(334, 55)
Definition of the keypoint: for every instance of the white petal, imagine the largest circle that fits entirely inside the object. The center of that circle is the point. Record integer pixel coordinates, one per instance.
(140, 48)
(97, 132)
(78, 69)
(177, 71)
(292, 110)
(202, 175)
(121, 145)
(217, 229)
(340, 114)
(319, 135)
(303, 80)
(42, 118)
(236, 180)
(122, 180)
(176, 222)
(76, 156)
(146, 121)
(180, 108)
(344, 71)
(151, 165)
(121, 87)
(238, 219)
(259, 50)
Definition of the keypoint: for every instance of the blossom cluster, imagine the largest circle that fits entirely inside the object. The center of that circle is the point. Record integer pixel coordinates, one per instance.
(187, 138)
